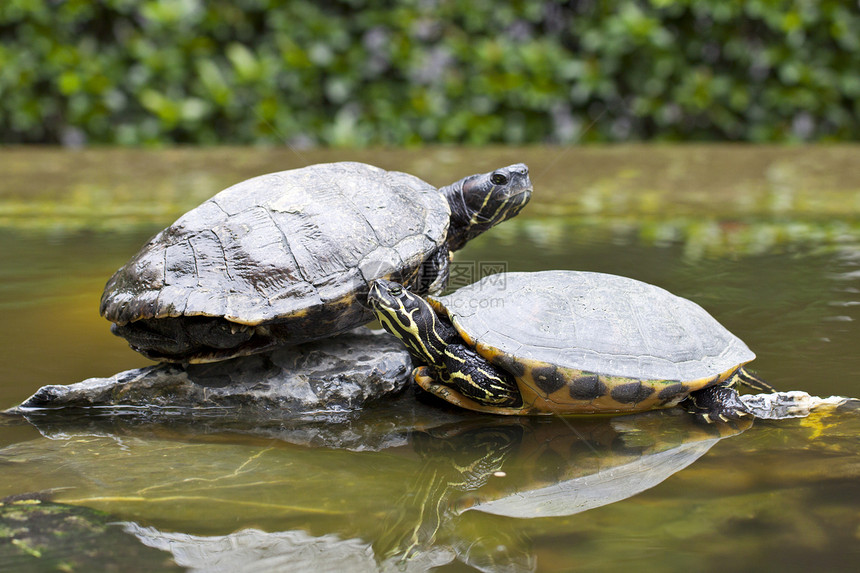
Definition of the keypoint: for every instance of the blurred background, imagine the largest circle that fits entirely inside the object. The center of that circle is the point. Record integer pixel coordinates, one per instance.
(359, 73)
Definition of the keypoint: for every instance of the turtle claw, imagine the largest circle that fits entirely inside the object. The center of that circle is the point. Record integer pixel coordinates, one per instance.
(717, 404)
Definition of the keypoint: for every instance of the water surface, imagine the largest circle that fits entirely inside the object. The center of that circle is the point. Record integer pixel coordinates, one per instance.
(766, 239)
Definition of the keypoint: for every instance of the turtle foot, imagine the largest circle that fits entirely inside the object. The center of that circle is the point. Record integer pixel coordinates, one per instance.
(423, 377)
(717, 404)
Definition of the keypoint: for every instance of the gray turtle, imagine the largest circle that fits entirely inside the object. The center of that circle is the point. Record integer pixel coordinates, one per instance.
(286, 258)
(568, 342)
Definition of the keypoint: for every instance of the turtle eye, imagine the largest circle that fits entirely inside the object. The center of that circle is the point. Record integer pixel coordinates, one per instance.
(498, 179)
(396, 290)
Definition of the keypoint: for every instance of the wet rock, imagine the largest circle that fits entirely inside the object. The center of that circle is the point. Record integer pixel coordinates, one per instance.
(794, 404)
(338, 374)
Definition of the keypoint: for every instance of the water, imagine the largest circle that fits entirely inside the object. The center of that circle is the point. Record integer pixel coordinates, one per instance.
(766, 240)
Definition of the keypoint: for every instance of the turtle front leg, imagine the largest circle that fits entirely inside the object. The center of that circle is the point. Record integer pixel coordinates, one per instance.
(423, 376)
(468, 380)
(477, 378)
(716, 404)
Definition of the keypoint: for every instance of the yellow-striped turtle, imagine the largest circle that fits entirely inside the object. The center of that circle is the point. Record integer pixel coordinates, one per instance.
(288, 257)
(568, 342)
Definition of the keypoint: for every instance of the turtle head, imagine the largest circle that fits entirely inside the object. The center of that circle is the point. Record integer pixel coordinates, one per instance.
(408, 317)
(479, 202)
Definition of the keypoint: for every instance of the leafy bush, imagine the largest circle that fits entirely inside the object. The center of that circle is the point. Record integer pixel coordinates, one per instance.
(355, 72)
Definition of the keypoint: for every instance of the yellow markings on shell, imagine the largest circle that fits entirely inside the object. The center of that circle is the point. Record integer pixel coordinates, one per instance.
(471, 342)
(537, 401)
(436, 305)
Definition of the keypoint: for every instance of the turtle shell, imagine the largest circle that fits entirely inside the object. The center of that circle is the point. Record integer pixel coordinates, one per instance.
(295, 247)
(592, 342)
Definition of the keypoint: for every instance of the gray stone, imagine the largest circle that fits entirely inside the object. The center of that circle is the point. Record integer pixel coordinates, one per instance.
(338, 374)
(794, 404)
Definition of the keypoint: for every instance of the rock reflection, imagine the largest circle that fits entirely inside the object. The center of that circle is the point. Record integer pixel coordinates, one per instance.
(405, 486)
(255, 551)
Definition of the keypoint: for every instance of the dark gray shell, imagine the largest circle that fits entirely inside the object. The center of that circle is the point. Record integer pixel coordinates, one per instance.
(594, 322)
(280, 244)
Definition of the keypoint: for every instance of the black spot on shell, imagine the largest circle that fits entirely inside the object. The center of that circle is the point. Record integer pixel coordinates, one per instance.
(587, 387)
(548, 378)
(510, 365)
(631, 393)
(672, 391)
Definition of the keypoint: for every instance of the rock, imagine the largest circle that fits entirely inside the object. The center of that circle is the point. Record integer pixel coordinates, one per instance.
(338, 374)
(794, 404)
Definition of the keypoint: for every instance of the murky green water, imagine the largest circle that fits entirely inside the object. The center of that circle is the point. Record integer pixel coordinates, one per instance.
(768, 240)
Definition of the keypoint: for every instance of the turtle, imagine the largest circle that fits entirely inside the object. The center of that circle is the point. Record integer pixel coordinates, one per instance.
(287, 258)
(568, 342)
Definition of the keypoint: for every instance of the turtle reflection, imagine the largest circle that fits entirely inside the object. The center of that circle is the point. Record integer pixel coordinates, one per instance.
(528, 468)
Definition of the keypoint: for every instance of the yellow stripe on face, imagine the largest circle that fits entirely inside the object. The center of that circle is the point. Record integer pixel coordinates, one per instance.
(474, 218)
(498, 214)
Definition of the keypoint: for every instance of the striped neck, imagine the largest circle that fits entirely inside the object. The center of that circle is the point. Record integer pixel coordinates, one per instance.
(420, 329)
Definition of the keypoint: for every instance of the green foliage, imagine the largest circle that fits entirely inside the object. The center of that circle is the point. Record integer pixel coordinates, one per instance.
(353, 73)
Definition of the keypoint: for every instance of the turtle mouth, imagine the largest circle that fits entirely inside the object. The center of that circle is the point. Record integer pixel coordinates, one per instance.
(523, 192)
(519, 199)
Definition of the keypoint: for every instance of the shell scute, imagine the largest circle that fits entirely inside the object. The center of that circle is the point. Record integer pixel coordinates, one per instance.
(632, 392)
(673, 392)
(596, 323)
(586, 387)
(548, 378)
(171, 301)
(180, 268)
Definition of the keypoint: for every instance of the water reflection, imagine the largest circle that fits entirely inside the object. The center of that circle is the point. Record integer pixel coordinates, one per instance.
(408, 494)
(530, 469)
(254, 550)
